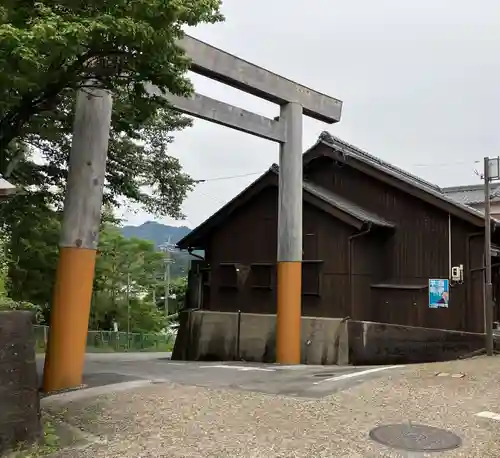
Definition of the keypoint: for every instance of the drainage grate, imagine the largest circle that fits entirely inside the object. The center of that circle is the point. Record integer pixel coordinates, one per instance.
(324, 375)
(415, 438)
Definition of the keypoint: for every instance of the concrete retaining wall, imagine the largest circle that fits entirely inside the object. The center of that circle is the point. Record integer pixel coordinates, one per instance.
(379, 343)
(213, 336)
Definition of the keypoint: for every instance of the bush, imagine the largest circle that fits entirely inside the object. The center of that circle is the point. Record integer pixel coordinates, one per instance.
(6, 303)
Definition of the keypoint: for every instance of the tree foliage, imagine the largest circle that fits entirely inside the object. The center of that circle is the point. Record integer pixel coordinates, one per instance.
(49, 49)
(32, 246)
(127, 272)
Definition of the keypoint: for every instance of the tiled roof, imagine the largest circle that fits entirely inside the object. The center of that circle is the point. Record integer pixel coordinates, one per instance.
(472, 194)
(375, 161)
(341, 203)
(345, 205)
(432, 189)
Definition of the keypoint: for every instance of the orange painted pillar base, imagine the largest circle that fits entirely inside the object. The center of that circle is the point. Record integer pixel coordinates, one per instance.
(69, 319)
(289, 313)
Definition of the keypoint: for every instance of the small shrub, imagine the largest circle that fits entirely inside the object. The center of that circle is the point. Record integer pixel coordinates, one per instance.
(6, 303)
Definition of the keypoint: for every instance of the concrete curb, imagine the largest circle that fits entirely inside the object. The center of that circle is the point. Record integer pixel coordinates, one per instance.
(86, 393)
(120, 356)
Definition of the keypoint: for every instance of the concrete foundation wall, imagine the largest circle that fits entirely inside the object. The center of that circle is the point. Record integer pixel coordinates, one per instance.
(213, 336)
(379, 343)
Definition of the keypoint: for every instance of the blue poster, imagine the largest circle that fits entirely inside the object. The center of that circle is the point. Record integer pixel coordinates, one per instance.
(439, 293)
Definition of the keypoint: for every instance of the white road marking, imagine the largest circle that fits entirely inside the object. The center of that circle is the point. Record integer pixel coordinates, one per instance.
(447, 374)
(84, 393)
(296, 367)
(239, 368)
(490, 415)
(355, 374)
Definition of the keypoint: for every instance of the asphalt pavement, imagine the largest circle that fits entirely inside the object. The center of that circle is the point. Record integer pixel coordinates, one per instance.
(297, 381)
(174, 409)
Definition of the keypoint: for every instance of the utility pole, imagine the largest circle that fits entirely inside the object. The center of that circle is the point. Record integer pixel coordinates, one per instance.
(488, 300)
(128, 310)
(78, 244)
(166, 277)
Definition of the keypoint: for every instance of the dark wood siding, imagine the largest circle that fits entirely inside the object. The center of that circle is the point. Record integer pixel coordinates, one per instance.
(331, 249)
(249, 238)
(414, 253)
(373, 275)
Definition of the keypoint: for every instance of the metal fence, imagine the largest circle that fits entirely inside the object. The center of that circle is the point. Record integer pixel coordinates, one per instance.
(110, 341)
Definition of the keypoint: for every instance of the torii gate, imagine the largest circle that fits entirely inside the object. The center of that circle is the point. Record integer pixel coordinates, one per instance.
(82, 207)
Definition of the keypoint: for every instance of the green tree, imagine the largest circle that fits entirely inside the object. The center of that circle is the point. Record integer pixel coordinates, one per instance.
(126, 271)
(49, 49)
(32, 244)
(32, 261)
(179, 290)
(177, 295)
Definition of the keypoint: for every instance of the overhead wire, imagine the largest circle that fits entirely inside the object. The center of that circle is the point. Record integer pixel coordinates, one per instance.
(245, 175)
(230, 177)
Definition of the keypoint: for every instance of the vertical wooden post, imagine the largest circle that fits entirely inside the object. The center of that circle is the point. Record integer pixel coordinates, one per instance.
(288, 320)
(79, 238)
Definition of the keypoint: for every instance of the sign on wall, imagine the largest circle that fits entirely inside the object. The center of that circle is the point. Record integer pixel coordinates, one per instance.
(439, 293)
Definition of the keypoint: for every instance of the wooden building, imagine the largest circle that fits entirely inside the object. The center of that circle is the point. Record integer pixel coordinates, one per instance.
(373, 236)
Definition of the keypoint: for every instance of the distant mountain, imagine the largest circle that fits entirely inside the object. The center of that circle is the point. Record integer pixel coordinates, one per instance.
(156, 232)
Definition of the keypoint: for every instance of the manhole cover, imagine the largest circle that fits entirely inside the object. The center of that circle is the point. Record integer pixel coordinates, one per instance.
(323, 375)
(415, 438)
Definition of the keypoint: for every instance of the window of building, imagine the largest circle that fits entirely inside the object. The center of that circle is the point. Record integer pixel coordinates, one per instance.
(228, 277)
(262, 275)
(206, 274)
(311, 278)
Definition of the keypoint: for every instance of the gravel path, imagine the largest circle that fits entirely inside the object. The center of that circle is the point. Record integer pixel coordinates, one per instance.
(171, 421)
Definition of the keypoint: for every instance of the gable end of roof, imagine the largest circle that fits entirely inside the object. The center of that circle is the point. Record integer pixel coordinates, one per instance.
(435, 191)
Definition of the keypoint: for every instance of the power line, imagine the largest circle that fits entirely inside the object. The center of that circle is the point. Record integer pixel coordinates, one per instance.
(244, 175)
(446, 164)
(230, 177)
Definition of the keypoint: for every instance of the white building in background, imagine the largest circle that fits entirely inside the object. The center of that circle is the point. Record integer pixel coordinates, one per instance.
(473, 196)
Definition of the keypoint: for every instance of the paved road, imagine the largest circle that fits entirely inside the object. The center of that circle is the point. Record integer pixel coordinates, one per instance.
(179, 420)
(296, 381)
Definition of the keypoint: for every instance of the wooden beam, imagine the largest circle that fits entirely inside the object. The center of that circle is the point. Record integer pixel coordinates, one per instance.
(226, 68)
(224, 114)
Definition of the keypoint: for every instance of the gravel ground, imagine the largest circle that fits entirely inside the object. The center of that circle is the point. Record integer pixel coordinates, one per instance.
(171, 421)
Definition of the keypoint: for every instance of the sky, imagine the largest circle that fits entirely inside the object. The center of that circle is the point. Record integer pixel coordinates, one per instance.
(419, 81)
